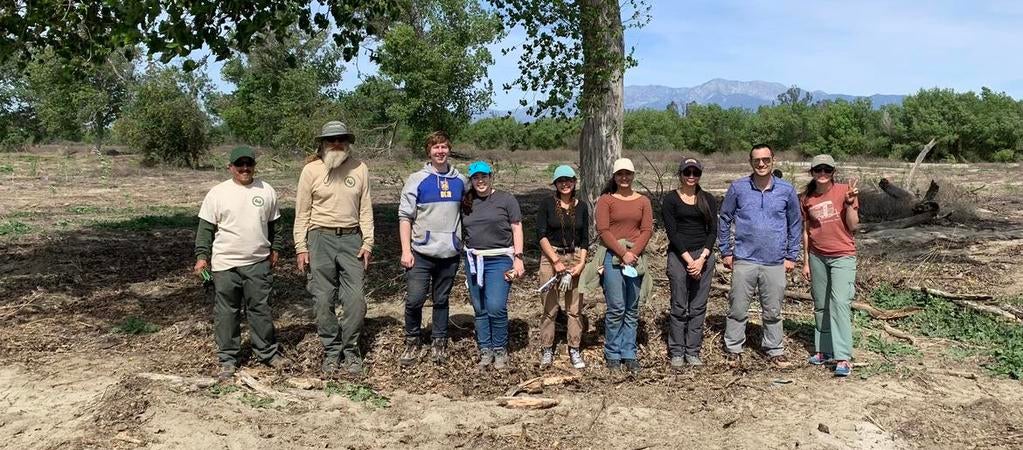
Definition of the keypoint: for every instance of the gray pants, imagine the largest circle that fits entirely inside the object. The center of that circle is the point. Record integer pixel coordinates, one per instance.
(748, 278)
(249, 286)
(336, 276)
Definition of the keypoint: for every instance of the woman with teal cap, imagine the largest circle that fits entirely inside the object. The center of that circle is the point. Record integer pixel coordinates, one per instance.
(492, 229)
(562, 225)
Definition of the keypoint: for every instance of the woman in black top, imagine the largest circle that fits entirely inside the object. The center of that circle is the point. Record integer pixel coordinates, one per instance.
(562, 225)
(690, 221)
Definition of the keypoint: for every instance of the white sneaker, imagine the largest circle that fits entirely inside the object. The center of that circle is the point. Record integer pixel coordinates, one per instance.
(547, 357)
(577, 358)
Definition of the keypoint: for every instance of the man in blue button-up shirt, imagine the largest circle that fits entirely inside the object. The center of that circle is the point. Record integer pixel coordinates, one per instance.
(768, 236)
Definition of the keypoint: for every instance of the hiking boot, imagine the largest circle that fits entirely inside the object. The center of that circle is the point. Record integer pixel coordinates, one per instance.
(278, 362)
(693, 360)
(330, 365)
(631, 365)
(734, 360)
(678, 362)
(818, 359)
(413, 351)
(547, 357)
(843, 369)
(613, 364)
(226, 372)
(501, 359)
(780, 362)
(353, 364)
(486, 358)
(439, 351)
(577, 358)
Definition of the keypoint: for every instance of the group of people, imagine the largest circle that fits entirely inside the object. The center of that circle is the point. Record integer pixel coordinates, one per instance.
(762, 229)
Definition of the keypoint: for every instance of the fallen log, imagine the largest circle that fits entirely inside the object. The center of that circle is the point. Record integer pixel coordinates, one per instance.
(950, 296)
(874, 312)
(894, 191)
(527, 402)
(898, 333)
(919, 159)
(909, 222)
(968, 301)
(252, 383)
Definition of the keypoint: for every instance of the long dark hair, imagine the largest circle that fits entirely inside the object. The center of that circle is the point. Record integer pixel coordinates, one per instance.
(610, 187)
(467, 199)
(810, 188)
(703, 202)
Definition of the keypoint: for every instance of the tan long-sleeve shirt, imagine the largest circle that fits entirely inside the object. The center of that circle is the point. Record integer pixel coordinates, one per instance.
(338, 199)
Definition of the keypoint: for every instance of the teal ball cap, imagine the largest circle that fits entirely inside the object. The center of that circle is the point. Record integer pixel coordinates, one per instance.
(479, 167)
(563, 171)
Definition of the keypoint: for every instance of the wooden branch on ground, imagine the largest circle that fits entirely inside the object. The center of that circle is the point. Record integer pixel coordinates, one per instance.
(950, 296)
(536, 385)
(932, 192)
(527, 402)
(894, 191)
(252, 383)
(898, 333)
(969, 301)
(198, 382)
(909, 222)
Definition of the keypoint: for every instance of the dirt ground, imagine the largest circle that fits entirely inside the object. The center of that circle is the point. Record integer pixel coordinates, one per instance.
(88, 242)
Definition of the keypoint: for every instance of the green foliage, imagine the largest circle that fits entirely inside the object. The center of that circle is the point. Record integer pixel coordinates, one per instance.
(6, 169)
(19, 123)
(286, 89)
(220, 390)
(256, 401)
(887, 348)
(136, 325)
(13, 228)
(164, 121)
(357, 393)
(151, 222)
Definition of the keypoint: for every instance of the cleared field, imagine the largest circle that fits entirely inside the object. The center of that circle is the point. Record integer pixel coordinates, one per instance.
(95, 290)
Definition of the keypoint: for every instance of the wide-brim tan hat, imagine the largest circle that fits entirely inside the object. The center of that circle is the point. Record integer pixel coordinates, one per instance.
(335, 128)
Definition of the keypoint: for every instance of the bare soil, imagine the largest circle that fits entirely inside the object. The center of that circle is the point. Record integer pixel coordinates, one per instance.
(89, 242)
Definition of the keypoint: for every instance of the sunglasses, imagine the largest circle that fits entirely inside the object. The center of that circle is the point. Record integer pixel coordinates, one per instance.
(823, 169)
(764, 161)
(335, 139)
(244, 163)
(692, 173)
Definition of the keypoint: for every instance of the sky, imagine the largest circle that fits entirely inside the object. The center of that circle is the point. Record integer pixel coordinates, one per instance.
(859, 47)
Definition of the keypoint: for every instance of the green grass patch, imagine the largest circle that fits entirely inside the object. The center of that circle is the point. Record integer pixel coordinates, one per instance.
(220, 390)
(803, 329)
(256, 401)
(135, 325)
(357, 393)
(887, 348)
(6, 169)
(882, 368)
(13, 228)
(148, 223)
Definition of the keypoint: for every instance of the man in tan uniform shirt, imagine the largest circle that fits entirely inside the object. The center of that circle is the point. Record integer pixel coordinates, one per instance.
(334, 238)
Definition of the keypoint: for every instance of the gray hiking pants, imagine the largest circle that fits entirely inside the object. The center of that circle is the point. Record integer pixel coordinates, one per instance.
(747, 279)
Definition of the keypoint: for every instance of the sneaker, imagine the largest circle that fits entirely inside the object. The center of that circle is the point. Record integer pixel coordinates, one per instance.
(780, 362)
(631, 365)
(843, 369)
(330, 365)
(678, 362)
(413, 351)
(577, 358)
(439, 351)
(278, 362)
(547, 357)
(486, 358)
(500, 359)
(613, 364)
(693, 360)
(734, 360)
(226, 372)
(818, 359)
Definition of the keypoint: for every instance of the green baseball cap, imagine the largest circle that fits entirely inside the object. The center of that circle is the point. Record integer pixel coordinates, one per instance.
(335, 128)
(241, 152)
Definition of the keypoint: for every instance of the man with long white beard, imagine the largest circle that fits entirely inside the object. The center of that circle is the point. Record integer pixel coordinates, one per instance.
(334, 239)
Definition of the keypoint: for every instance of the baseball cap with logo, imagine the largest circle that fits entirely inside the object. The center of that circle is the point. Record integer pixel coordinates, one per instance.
(241, 152)
(823, 160)
(690, 162)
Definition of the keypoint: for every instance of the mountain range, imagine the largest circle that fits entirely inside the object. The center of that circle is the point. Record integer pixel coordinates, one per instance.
(726, 93)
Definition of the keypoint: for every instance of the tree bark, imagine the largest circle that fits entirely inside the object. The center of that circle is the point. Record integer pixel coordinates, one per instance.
(601, 103)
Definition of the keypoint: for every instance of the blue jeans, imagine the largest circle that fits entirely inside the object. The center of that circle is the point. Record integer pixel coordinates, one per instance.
(491, 301)
(622, 317)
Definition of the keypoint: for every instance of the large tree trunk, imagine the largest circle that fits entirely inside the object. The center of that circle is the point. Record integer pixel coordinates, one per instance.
(601, 103)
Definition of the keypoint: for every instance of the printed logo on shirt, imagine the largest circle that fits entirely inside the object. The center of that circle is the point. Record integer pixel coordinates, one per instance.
(350, 181)
(445, 191)
(824, 212)
(258, 201)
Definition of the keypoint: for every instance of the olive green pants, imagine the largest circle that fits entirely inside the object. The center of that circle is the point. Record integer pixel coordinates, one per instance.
(249, 286)
(336, 276)
(833, 286)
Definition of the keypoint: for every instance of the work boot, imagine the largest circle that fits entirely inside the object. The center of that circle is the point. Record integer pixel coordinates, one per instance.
(780, 362)
(694, 360)
(631, 365)
(577, 358)
(439, 351)
(678, 362)
(413, 351)
(501, 359)
(353, 364)
(227, 371)
(486, 358)
(546, 357)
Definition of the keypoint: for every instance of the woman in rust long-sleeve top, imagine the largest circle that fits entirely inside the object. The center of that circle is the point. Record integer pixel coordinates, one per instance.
(625, 224)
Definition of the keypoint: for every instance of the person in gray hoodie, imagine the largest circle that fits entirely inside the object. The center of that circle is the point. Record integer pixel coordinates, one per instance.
(430, 224)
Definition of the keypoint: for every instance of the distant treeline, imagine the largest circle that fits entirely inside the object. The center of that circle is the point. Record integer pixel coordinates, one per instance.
(966, 127)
